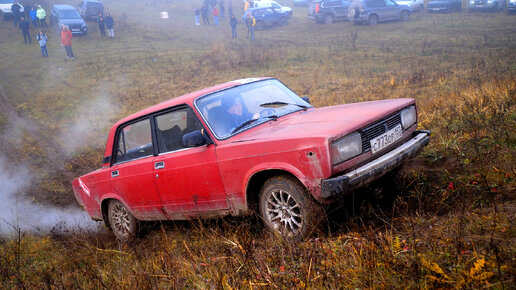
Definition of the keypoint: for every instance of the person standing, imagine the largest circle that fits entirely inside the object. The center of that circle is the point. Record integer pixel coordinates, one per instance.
(204, 12)
(66, 41)
(109, 25)
(102, 27)
(34, 16)
(25, 28)
(215, 16)
(15, 9)
(41, 14)
(42, 39)
(251, 22)
(233, 22)
(221, 8)
(197, 17)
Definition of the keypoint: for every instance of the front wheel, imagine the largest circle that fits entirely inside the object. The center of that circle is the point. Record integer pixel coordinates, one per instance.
(122, 223)
(404, 16)
(372, 20)
(288, 210)
(328, 19)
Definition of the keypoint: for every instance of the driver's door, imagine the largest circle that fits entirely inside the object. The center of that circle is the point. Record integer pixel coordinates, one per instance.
(188, 179)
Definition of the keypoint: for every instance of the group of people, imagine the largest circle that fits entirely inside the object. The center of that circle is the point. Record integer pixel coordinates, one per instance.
(35, 15)
(210, 6)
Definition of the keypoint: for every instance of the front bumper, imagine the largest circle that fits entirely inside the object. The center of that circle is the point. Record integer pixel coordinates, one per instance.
(354, 179)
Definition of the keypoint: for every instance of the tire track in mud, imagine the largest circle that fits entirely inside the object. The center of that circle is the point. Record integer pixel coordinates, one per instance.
(36, 130)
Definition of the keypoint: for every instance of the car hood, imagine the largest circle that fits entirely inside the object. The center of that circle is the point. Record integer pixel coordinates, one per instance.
(71, 21)
(7, 7)
(327, 122)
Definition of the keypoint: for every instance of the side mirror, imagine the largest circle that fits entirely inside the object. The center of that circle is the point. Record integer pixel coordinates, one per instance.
(306, 99)
(195, 139)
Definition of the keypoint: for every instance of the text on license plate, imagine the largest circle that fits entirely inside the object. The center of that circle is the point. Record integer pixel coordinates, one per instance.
(386, 139)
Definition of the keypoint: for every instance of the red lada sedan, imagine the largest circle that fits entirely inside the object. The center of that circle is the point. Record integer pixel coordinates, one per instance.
(243, 146)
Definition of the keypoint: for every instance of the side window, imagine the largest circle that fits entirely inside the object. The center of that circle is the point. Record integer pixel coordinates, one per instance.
(275, 6)
(172, 126)
(134, 141)
(390, 3)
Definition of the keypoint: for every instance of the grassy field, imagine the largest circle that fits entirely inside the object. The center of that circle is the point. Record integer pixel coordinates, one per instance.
(453, 219)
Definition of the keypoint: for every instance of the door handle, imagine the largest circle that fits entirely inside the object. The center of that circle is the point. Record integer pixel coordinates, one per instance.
(114, 173)
(159, 165)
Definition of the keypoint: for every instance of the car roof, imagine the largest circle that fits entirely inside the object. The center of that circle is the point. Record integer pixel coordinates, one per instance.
(187, 99)
(63, 7)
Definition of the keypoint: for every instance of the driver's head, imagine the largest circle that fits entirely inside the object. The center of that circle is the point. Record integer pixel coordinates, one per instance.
(232, 105)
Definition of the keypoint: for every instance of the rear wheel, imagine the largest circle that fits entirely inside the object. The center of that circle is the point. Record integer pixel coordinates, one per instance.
(328, 19)
(259, 25)
(404, 16)
(122, 223)
(288, 210)
(372, 20)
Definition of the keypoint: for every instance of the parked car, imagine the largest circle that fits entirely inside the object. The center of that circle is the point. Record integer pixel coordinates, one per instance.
(444, 6)
(511, 8)
(64, 14)
(415, 5)
(273, 4)
(374, 11)
(268, 17)
(249, 145)
(486, 5)
(5, 8)
(328, 11)
(91, 9)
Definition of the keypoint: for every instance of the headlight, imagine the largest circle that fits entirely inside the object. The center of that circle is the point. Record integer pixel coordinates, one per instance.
(408, 117)
(346, 148)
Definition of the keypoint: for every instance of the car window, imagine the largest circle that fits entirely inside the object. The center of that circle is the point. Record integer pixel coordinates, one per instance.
(172, 126)
(227, 110)
(390, 3)
(69, 14)
(332, 4)
(275, 6)
(375, 3)
(134, 141)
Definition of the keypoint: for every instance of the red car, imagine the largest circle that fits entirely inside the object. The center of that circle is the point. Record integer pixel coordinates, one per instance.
(242, 146)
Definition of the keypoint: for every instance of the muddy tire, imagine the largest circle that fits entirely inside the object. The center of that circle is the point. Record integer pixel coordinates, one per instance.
(288, 210)
(122, 223)
(372, 20)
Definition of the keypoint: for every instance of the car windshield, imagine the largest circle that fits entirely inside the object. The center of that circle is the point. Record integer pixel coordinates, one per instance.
(69, 14)
(233, 110)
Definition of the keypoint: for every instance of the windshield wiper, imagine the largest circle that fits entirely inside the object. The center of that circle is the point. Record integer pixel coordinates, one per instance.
(278, 103)
(249, 122)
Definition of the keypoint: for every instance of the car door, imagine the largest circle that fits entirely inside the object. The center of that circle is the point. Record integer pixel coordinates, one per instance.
(188, 179)
(393, 11)
(132, 172)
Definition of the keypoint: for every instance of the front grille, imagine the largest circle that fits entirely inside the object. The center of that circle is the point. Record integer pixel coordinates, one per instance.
(377, 129)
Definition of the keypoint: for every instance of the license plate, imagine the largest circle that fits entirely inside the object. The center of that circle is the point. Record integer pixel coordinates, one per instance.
(386, 139)
(76, 30)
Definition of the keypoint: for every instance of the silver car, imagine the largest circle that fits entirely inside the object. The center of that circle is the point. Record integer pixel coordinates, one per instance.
(374, 11)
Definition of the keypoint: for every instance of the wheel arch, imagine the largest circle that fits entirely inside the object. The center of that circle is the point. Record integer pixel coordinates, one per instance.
(256, 181)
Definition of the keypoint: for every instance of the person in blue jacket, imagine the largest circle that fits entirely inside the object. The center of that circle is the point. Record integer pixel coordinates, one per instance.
(34, 16)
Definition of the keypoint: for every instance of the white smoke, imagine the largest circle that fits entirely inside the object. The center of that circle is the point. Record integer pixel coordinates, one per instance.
(18, 213)
(93, 117)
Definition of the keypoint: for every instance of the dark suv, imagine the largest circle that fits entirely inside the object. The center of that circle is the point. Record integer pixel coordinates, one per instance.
(90, 9)
(374, 11)
(63, 14)
(268, 16)
(328, 11)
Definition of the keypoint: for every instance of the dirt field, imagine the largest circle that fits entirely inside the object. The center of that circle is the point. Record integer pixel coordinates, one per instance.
(452, 221)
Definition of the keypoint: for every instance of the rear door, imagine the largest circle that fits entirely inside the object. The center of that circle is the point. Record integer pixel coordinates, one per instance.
(132, 172)
(188, 179)
(393, 11)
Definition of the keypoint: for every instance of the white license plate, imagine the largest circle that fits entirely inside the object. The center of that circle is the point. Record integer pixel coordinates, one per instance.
(386, 139)
(76, 30)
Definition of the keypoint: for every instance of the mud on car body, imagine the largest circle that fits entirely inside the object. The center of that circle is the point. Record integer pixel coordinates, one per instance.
(248, 145)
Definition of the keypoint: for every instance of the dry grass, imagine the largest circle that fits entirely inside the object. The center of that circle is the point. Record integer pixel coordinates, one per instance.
(451, 224)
